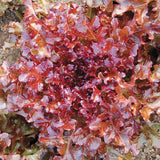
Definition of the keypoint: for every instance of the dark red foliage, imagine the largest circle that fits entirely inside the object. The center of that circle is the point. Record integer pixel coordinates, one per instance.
(86, 82)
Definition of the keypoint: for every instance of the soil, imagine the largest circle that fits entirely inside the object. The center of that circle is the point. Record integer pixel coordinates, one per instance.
(10, 55)
(148, 153)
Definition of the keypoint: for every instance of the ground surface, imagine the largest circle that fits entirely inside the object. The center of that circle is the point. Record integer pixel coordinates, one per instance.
(9, 55)
(147, 152)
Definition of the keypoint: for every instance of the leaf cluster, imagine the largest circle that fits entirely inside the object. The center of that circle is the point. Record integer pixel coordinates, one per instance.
(88, 77)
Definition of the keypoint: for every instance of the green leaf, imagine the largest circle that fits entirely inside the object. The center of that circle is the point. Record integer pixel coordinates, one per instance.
(155, 135)
(3, 7)
(155, 140)
(141, 140)
(152, 132)
(30, 151)
(34, 156)
(114, 154)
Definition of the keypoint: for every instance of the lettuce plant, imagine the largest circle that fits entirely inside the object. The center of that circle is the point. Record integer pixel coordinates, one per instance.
(88, 77)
